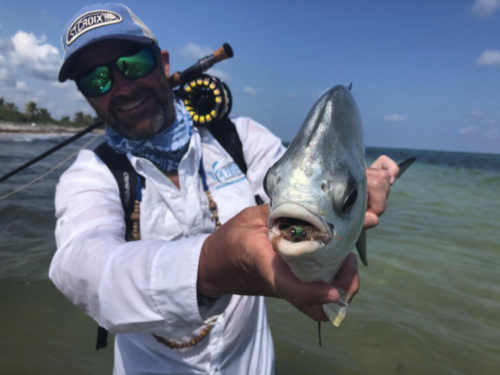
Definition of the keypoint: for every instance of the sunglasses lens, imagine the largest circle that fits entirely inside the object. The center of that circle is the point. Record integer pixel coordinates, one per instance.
(96, 83)
(138, 65)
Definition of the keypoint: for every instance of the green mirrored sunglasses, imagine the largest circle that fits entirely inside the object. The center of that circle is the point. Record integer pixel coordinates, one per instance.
(99, 80)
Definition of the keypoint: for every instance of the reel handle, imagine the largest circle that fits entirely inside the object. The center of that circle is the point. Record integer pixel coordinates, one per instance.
(223, 53)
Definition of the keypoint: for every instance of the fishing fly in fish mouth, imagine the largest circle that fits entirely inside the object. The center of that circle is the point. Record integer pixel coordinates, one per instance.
(318, 193)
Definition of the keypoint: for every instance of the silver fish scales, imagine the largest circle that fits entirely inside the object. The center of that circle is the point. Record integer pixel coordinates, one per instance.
(318, 193)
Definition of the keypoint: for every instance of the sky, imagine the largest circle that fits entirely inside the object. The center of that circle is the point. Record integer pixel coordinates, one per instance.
(426, 74)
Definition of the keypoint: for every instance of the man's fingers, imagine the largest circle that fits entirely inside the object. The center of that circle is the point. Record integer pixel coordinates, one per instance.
(348, 277)
(257, 214)
(371, 220)
(385, 162)
(376, 203)
(289, 287)
(314, 312)
(378, 190)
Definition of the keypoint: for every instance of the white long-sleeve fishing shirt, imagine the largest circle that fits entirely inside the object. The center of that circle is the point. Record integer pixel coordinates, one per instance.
(134, 289)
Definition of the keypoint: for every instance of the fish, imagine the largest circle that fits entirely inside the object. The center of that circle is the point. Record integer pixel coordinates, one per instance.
(318, 193)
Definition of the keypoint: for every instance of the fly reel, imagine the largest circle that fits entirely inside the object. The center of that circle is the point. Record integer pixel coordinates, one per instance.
(207, 99)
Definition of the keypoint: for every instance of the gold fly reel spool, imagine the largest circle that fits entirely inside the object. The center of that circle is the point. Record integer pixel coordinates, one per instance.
(207, 99)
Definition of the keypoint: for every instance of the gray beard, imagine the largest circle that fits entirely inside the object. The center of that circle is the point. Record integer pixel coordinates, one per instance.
(157, 124)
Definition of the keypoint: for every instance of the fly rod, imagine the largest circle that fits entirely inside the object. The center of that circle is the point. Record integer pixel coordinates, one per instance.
(52, 150)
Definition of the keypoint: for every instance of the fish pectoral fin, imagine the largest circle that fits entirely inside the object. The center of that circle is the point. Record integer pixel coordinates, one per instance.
(361, 246)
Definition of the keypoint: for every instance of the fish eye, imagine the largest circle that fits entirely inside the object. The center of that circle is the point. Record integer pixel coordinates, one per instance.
(350, 200)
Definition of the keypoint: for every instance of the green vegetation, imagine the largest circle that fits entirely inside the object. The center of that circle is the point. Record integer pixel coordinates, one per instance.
(41, 116)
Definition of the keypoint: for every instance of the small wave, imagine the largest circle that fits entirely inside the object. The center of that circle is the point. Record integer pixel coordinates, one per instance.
(24, 137)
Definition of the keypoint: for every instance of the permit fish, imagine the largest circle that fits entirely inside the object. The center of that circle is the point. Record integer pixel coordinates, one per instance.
(318, 194)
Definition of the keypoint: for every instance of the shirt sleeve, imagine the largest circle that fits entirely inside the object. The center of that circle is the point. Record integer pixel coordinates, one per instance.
(261, 150)
(140, 286)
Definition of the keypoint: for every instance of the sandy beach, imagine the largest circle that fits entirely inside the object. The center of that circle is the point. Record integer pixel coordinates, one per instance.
(10, 127)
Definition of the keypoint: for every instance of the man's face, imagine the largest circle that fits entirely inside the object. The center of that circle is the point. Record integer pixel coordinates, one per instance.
(136, 108)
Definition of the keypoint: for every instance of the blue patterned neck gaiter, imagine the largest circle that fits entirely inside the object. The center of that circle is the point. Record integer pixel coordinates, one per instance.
(165, 149)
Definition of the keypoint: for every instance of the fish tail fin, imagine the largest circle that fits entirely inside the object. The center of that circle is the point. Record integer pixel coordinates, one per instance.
(338, 310)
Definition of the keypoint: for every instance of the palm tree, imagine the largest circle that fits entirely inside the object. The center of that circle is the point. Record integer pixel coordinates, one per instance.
(79, 117)
(10, 106)
(44, 115)
(30, 109)
(87, 120)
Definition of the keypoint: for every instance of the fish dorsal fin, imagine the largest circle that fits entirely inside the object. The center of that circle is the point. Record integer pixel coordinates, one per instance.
(350, 87)
(361, 246)
(405, 165)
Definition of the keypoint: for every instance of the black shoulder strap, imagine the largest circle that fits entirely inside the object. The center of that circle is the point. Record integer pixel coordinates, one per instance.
(126, 178)
(224, 131)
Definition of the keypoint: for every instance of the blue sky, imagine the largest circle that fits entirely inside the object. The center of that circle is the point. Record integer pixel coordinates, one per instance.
(426, 74)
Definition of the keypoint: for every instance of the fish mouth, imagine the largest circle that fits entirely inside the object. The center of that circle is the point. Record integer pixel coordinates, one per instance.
(296, 231)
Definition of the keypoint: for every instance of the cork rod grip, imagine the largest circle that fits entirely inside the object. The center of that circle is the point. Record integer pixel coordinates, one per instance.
(174, 80)
(223, 53)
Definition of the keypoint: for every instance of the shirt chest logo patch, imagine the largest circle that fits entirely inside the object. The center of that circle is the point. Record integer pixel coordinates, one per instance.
(225, 174)
(90, 21)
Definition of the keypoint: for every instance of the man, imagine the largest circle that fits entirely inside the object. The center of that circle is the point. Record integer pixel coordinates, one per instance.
(179, 299)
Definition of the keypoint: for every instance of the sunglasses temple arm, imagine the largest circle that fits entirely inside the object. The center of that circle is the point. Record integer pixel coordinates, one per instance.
(52, 150)
(205, 63)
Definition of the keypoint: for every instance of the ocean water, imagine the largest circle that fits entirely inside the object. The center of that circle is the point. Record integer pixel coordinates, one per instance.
(429, 301)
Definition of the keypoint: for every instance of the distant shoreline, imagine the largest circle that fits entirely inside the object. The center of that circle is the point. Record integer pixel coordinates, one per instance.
(11, 127)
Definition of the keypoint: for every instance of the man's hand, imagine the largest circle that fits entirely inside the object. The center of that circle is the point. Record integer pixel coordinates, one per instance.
(380, 176)
(239, 259)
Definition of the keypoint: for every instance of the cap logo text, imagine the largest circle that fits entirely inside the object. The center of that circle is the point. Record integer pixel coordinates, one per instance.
(89, 21)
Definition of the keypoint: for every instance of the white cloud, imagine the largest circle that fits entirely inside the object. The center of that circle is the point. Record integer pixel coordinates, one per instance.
(195, 51)
(21, 86)
(485, 8)
(220, 74)
(466, 130)
(39, 59)
(293, 95)
(489, 58)
(493, 133)
(251, 91)
(475, 113)
(395, 118)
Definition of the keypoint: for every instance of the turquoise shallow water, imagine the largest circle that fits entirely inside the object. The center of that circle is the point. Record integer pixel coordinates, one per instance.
(429, 301)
